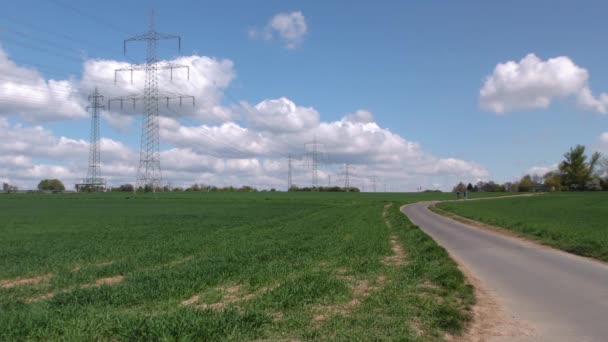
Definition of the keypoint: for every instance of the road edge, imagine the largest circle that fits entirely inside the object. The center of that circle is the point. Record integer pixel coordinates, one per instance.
(503, 231)
(489, 319)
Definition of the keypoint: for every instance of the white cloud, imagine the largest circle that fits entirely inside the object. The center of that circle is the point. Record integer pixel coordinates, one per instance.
(277, 130)
(222, 151)
(540, 170)
(289, 27)
(30, 153)
(117, 121)
(363, 116)
(281, 115)
(209, 78)
(533, 83)
(602, 144)
(23, 91)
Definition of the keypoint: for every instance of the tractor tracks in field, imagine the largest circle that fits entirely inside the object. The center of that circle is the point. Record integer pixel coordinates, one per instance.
(399, 256)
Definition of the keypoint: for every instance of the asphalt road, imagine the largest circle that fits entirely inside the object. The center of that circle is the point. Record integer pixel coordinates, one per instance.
(562, 297)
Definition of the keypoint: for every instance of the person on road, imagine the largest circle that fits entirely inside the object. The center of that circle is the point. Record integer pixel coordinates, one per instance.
(458, 194)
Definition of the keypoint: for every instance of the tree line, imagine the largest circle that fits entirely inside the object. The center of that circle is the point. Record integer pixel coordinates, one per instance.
(576, 172)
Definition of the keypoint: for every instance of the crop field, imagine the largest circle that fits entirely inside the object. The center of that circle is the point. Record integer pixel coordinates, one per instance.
(574, 222)
(203, 266)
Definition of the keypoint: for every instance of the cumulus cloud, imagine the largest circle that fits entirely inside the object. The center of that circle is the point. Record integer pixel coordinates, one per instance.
(602, 144)
(229, 153)
(540, 170)
(117, 121)
(290, 28)
(361, 115)
(208, 79)
(278, 130)
(24, 92)
(222, 151)
(281, 115)
(30, 153)
(533, 83)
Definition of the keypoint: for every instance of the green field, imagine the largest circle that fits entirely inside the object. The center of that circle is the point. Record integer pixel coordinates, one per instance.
(203, 266)
(574, 222)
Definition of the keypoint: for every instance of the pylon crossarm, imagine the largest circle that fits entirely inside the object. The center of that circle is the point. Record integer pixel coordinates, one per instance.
(171, 66)
(153, 35)
(133, 98)
(157, 66)
(166, 96)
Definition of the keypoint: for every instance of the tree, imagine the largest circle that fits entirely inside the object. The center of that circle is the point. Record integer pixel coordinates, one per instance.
(51, 185)
(124, 188)
(576, 171)
(8, 188)
(510, 187)
(553, 180)
(525, 184)
(470, 187)
(594, 184)
(194, 187)
(604, 184)
(460, 187)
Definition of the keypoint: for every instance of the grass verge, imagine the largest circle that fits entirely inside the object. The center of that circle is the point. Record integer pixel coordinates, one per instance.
(573, 222)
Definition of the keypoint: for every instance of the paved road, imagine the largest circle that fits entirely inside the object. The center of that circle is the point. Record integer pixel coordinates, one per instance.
(563, 297)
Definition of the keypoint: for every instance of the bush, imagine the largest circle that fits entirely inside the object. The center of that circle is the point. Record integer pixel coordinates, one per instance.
(51, 185)
(124, 188)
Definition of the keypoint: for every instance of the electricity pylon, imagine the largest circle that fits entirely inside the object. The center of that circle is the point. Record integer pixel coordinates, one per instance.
(374, 180)
(345, 175)
(94, 182)
(315, 154)
(149, 175)
(289, 175)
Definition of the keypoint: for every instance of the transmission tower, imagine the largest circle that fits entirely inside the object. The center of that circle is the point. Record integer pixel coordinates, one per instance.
(374, 180)
(289, 166)
(345, 174)
(149, 174)
(314, 152)
(94, 182)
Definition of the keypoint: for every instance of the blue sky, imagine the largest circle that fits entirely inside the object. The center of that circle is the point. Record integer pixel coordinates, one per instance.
(417, 66)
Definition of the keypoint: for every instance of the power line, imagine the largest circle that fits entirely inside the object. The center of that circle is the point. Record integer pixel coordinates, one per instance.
(91, 16)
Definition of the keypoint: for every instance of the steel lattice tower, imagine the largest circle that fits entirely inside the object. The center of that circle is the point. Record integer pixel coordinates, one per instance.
(149, 175)
(346, 174)
(289, 170)
(93, 181)
(94, 171)
(314, 153)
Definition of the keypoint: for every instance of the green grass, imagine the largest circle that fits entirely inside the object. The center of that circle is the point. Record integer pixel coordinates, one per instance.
(280, 265)
(574, 222)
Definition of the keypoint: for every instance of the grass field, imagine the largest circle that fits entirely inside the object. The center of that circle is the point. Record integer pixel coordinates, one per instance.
(196, 266)
(574, 222)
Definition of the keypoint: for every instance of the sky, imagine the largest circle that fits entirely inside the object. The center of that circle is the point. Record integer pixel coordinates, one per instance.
(411, 95)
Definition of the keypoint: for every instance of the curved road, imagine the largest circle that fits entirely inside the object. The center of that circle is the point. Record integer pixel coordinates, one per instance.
(562, 297)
